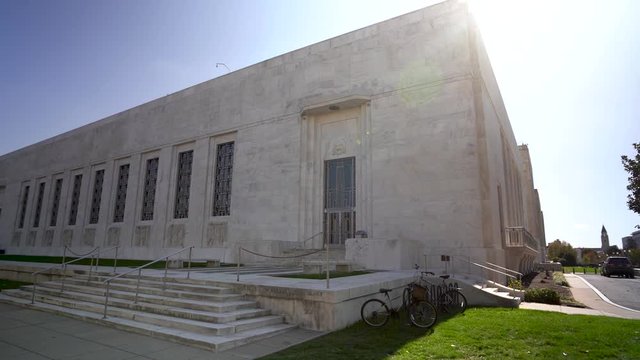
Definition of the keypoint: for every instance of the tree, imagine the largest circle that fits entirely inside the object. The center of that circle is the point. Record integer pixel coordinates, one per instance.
(632, 166)
(563, 252)
(634, 256)
(613, 250)
(589, 257)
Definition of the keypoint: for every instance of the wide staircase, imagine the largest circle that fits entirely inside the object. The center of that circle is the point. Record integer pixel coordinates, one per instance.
(189, 311)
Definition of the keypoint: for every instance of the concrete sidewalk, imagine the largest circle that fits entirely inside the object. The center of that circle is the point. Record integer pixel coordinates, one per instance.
(27, 334)
(583, 292)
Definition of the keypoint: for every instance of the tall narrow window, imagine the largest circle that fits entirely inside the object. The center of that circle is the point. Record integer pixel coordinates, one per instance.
(183, 184)
(55, 204)
(97, 197)
(36, 218)
(75, 199)
(222, 182)
(121, 193)
(149, 194)
(23, 211)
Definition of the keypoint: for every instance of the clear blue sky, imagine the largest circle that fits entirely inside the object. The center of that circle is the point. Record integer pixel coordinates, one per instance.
(568, 71)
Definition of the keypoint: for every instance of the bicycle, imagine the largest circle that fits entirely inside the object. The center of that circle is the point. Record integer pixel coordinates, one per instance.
(451, 301)
(375, 312)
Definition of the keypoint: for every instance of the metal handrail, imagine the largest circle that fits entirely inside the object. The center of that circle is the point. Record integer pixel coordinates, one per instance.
(63, 268)
(304, 242)
(494, 270)
(325, 246)
(107, 282)
(468, 261)
(519, 274)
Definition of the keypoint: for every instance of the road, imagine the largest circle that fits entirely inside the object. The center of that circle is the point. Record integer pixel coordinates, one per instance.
(621, 291)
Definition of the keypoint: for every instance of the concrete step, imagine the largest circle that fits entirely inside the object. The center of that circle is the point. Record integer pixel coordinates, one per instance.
(152, 289)
(205, 341)
(216, 312)
(154, 282)
(499, 298)
(197, 322)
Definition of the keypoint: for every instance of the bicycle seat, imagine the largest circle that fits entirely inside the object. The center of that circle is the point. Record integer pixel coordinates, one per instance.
(445, 277)
(384, 291)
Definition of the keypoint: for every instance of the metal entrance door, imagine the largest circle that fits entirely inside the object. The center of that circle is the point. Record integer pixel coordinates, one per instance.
(339, 200)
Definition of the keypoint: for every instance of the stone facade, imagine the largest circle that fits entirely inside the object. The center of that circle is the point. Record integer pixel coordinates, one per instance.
(397, 129)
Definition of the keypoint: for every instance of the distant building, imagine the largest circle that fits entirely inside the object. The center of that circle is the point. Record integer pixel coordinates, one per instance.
(604, 238)
(632, 241)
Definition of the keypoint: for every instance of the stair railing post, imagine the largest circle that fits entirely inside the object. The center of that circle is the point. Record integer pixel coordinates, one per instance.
(64, 276)
(115, 261)
(64, 255)
(166, 268)
(135, 301)
(327, 264)
(106, 300)
(35, 283)
(189, 268)
(238, 265)
(90, 269)
(97, 260)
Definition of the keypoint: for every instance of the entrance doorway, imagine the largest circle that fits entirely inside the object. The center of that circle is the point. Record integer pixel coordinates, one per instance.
(339, 200)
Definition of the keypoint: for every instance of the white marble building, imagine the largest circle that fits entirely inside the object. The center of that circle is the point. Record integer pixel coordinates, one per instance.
(397, 129)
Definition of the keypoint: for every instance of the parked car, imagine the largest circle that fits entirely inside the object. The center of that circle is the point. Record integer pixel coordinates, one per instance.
(617, 265)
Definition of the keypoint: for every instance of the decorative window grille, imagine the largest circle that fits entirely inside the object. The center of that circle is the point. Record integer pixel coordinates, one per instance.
(23, 211)
(121, 193)
(75, 199)
(36, 218)
(222, 182)
(183, 184)
(55, 205)
(149, 194)
(97, 197)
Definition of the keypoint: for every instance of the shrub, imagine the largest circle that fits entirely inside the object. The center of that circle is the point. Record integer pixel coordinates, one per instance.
(545, 296)
(515, 284)
(559, 279)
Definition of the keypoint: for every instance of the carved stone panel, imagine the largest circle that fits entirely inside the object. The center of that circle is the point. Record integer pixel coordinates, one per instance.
(175, 236)
(67, 237)
(216, 235)
(15, 241)
(113, 236)
(31, 239)
(48, 238)
(89, 237)
(142, 235)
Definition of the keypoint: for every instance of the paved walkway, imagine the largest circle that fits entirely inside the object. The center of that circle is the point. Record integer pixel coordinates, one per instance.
(27, 334)
(587, 294)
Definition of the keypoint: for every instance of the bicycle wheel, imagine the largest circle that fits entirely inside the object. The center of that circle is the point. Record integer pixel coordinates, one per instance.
(423, 314)
(453, 302)
(406, 297)
(374, 312)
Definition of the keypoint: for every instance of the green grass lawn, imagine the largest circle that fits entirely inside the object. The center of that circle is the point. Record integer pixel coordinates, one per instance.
(580, 270)
(481, 333)
(323, 276)
(10, 284)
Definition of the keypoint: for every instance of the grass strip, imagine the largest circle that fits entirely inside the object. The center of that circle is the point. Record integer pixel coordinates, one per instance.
(10, 284)
(323, 276)
(580, 270)
(481, 333)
